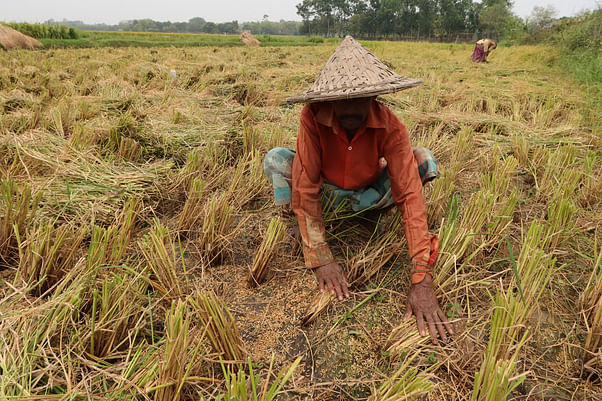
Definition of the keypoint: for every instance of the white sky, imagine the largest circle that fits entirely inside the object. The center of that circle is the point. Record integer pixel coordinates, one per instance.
(113, 11)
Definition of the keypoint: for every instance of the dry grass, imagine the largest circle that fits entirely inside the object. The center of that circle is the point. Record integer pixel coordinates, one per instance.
(126, 192)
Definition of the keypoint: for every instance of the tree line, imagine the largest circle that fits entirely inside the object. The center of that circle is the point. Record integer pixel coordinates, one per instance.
(405, 18)
(193, 25)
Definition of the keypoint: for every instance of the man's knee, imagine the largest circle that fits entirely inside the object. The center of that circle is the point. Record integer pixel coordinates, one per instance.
(279, 160)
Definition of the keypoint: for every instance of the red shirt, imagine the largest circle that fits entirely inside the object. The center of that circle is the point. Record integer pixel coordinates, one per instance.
(324, 151)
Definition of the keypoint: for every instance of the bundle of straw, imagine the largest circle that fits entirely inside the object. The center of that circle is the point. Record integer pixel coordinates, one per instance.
(267, 250)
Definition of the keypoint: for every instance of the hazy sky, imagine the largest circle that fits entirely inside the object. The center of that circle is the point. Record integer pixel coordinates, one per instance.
(113, 11)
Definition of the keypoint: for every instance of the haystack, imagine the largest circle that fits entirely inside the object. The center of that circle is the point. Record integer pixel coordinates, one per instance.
(248, 39)
(11, 39)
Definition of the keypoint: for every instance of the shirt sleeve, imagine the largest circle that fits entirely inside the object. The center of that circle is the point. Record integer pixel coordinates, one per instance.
(307, 182)
(406, 188)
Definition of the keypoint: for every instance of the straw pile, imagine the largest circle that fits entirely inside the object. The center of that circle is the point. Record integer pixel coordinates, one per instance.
(248, 39)
(11, 39)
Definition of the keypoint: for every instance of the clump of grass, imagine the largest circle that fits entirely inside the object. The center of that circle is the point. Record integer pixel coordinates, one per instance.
(108, 245)
(221, 326)
(46, 255)
(115, 313)
(215, 231)
(243, 386)
(496, 378)
(19, 210)
(406, 383)
(162, 252)
(172, 369)
(265, 253)
(193, 207)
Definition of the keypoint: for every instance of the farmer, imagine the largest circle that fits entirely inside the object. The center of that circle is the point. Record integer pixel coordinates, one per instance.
(482, 49)
(354, 147)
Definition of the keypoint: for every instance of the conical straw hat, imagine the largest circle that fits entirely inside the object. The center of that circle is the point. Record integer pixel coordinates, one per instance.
(351, 72)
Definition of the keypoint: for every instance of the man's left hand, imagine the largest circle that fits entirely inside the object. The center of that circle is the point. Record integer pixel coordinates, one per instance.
(423, 303)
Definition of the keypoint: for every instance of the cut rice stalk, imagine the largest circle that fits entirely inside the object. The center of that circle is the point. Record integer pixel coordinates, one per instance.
(19, 210)
(221, 326)
(407, 383)
(47, 255)
(173, 367)
(267, 250)
(193, 208)
(162, 253)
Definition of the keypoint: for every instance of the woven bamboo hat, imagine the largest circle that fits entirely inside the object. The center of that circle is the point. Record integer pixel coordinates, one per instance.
(351, 72)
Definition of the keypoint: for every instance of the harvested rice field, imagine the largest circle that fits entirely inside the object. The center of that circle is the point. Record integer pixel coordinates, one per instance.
(141, 257)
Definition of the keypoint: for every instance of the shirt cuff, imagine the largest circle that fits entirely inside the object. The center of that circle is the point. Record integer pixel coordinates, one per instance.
(420, 263)
(317, 256)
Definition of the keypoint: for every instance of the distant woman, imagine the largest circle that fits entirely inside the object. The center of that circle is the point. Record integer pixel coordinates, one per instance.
(482, 49)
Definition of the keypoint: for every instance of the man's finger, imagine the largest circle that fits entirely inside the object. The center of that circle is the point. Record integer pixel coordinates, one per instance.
(431, 326)
(420, 323)
(330, 285)
(440, 327)
(446, 323)
(321, 284)
(409, 311)
(345, 288)
(337, 288)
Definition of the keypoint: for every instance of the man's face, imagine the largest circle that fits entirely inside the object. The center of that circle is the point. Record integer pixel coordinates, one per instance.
(351, 113)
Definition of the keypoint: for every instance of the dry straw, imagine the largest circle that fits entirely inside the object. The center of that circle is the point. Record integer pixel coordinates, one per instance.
(265, 253)
(247, 38)
(362, 267)
(591, 302)
(11, 39)
(406, 383)
(221, 326)
(163, 254)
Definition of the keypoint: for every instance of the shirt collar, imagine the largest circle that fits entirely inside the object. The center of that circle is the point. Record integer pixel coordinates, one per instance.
(324, 113)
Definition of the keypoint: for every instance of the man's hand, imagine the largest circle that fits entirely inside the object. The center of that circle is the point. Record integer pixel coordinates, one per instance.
(422, 303)
(331, 277)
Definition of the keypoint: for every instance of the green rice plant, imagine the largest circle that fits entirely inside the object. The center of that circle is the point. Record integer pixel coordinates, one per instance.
(19, 208)
(108, 245)
(443, 188)
(558, 164)
(406, 383)
(31, 330)
(247, 181)
(520, 149)
(193, 207)
(591, 186)
(243, 386)
(560, 222)
(220, 326)
(115, 315)
(46, 255)
(496, 378)
(163, 254)
(268, 248)
(140, 368)
(172, 369)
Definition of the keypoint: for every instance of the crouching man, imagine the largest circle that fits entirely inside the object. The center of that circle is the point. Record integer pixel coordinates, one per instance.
(354, 147)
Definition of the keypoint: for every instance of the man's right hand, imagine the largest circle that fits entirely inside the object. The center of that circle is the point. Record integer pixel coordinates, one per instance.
(331, 277)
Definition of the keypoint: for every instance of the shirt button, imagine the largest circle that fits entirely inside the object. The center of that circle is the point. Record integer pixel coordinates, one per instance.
(349, 148)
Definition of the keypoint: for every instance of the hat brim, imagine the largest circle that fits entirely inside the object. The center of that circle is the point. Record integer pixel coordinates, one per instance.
(398, 84)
